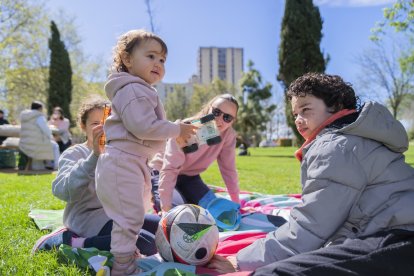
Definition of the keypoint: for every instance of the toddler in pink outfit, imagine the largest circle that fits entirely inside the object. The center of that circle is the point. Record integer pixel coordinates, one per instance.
(135, 131)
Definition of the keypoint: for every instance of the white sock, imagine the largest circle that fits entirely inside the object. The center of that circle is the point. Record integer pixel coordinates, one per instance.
(77, 242)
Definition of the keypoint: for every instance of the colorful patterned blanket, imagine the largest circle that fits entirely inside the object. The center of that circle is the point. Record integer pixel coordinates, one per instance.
(261, 214)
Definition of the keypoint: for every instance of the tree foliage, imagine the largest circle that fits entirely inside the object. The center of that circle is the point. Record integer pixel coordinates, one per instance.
(24, 56)
(24, 86)
(255, 108)
(400, 18)
(299, 50)
(177, 104)
(60, 74)
(203, 93)
(88, 73)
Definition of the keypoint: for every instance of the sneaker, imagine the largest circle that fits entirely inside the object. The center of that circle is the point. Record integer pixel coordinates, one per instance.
(50, 241)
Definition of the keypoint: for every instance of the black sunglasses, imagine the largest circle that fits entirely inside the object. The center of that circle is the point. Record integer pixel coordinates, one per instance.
(226, 117)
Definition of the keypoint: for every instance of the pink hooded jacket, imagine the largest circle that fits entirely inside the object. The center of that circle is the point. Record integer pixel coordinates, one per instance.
(137, 123)
(174, 162)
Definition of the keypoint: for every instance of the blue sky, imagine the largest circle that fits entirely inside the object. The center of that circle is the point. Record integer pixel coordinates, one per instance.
(254, 25)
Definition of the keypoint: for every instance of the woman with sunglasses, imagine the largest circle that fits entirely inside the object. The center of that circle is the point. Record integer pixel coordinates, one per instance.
(174, 169)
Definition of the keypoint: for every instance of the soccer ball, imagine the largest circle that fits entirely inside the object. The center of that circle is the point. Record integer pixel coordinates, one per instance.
(187, 234)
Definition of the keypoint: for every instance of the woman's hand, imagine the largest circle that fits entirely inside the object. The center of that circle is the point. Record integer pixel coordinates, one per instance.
(97, 133)
(223, 265)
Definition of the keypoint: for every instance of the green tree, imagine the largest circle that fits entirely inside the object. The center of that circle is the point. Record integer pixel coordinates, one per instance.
(88, 72)
(177, 104)
(400, 17)
(202, 94)
(23, 86)
(60, 74)
(255, 108)
(299, 50)
(25, 57)
(20, 33)
(23, 54)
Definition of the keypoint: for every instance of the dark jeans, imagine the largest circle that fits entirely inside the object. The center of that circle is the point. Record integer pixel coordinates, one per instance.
(385, 253)
(63, 146)
(191, 188)
(145, 242)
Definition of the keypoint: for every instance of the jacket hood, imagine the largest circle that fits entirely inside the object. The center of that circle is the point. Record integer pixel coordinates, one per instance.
(118, 80)
(376, 122)
(29, 114)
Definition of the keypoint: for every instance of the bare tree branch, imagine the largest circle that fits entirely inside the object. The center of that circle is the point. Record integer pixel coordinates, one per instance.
(150, 14)
(382, 71)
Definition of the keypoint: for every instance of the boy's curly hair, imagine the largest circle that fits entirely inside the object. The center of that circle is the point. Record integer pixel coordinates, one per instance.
(126, 44)
(333, 90)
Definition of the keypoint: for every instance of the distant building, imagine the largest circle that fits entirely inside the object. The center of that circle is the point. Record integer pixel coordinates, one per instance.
(164, 88)
(213, 63)
(220, 63)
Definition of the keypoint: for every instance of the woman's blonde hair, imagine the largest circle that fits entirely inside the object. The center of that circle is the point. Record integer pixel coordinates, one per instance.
(206, 108)
(89, 104)
(126, 44)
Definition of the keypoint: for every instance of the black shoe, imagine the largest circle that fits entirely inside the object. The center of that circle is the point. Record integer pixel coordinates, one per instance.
(67, 237)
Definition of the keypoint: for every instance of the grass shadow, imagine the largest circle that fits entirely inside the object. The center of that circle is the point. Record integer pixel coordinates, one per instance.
(9, 170)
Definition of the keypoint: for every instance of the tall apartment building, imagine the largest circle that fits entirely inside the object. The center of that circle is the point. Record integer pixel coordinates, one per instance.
(164, 89)
(222, 63)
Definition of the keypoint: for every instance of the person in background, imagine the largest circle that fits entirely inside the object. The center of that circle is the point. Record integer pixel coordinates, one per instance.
(85, 221)
(176, 170)
(63, 138)
(36, 140)
(3, 121)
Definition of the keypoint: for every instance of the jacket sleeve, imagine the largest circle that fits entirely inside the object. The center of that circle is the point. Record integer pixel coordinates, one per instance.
(41, 122)
(332, 182)
(173, 160)
(139, 117)
(226, 161)
(74, 175)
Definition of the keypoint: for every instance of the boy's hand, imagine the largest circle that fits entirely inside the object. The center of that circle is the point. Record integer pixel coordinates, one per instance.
(223, 265)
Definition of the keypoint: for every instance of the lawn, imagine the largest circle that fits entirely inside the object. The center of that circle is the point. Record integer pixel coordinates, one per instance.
(270, 170)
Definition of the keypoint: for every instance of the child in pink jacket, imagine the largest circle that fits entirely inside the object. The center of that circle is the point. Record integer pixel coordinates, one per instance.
(176, 170)
(135, 131)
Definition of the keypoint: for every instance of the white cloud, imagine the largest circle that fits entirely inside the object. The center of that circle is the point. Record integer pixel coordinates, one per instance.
(353, 3)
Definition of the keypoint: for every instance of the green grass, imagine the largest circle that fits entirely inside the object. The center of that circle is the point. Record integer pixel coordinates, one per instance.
(266, 170)
(271, 170)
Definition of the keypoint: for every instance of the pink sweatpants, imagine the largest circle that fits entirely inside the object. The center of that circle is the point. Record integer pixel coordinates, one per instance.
(123, 185)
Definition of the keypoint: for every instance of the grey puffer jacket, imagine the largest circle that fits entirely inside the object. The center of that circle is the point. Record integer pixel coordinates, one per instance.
(355, 183)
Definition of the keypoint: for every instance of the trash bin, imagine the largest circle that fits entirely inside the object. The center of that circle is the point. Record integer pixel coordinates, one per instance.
(7, 158)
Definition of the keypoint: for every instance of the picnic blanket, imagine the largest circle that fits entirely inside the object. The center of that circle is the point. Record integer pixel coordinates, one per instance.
(47, 219)
(261, 214)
